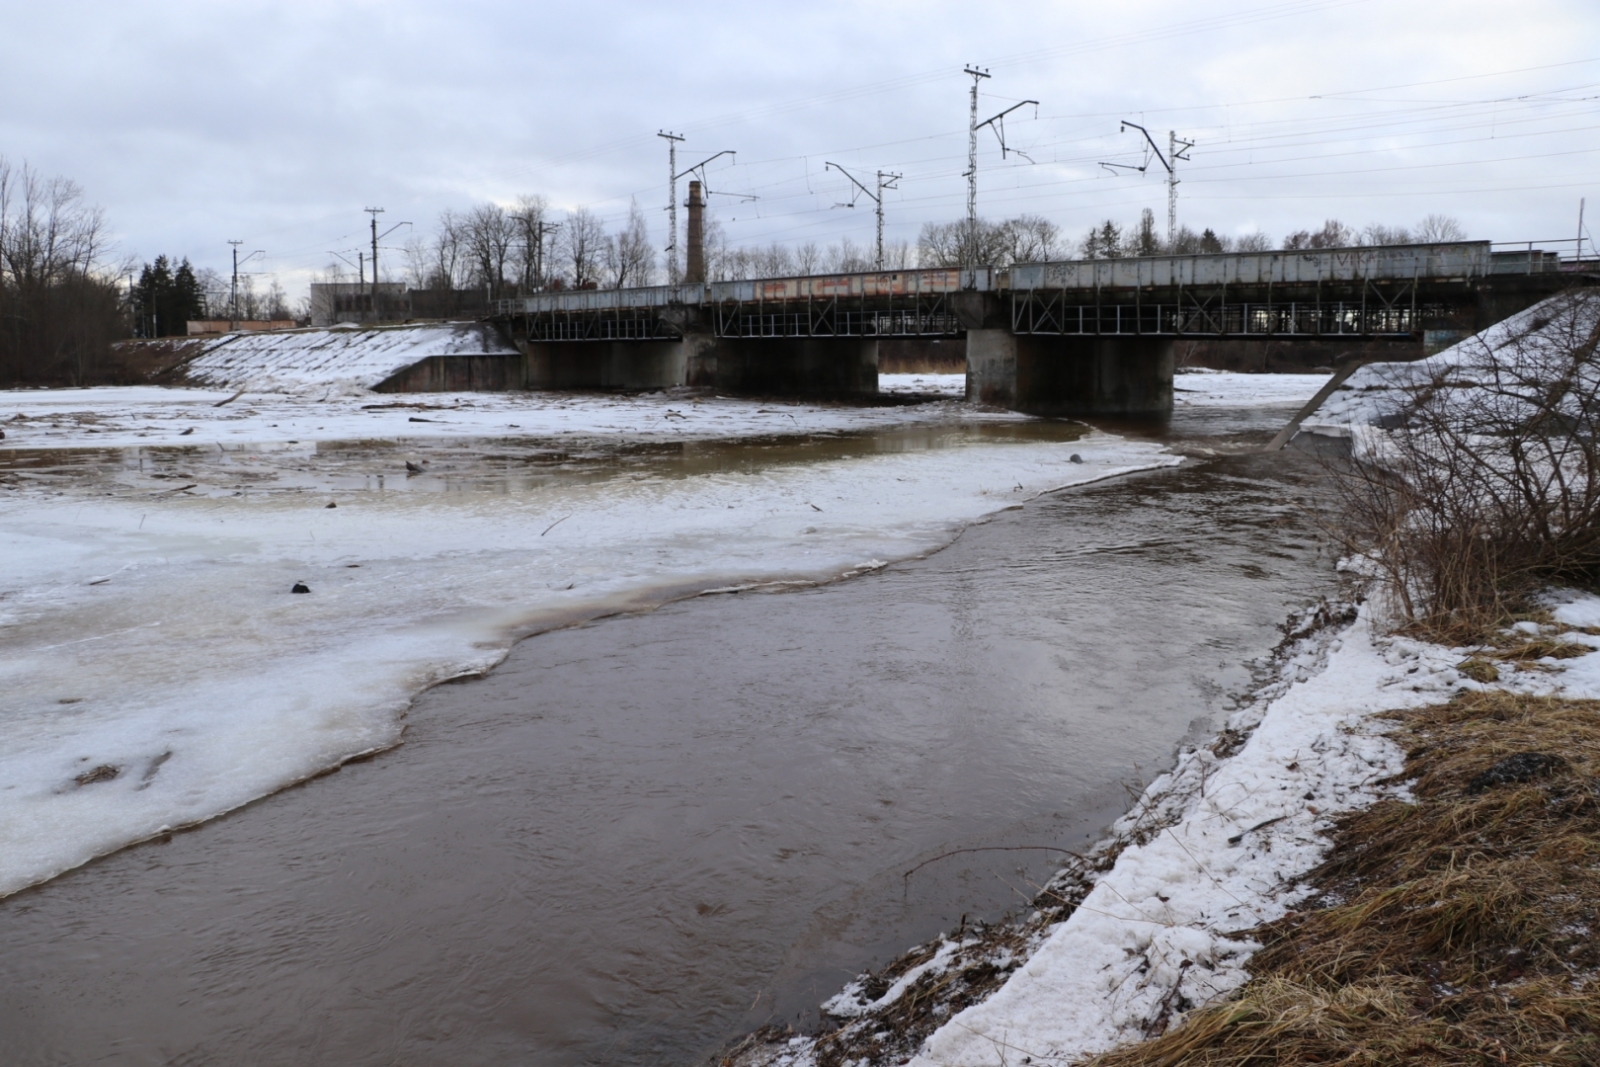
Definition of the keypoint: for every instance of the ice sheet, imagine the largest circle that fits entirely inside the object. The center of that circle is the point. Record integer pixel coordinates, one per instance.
(150, 416)
(157, 670)
(1209, 388)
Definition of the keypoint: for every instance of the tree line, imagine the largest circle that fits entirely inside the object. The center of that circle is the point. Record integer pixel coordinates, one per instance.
(528, 248)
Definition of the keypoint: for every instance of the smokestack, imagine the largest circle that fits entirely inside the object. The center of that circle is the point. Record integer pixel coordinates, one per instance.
(696, 271)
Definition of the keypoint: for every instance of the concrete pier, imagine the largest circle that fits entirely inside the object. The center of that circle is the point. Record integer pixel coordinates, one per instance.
(604, 364)
(1044, 375)
(841, 367)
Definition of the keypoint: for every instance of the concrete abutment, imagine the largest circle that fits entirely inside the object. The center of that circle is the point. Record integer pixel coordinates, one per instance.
(1044, 375)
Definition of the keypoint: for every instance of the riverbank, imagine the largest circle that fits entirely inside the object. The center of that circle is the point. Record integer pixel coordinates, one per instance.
(1247, 843)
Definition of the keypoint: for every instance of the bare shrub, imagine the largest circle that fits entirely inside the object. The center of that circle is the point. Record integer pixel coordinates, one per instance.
(1482, 482)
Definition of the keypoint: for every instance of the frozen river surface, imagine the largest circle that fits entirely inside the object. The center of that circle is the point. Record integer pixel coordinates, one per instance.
(638, 835)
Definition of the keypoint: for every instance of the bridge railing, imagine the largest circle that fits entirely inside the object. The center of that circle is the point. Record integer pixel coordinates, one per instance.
(1465, 259)
(1032, 315)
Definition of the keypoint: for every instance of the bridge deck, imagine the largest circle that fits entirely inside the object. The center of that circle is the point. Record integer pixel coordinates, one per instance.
(1373, 291)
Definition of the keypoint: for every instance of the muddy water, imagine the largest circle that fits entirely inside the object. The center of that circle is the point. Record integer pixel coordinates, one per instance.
(643, 835)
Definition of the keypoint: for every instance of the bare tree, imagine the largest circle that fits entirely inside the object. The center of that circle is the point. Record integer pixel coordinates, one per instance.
(1435, 229)
(1334, 234)
(446, 253)
(490, 234)
(582, 244)
(953, 244)
(275, 303)
(846, 257)
(630, 257)
(1379, 234)
(532, 217)
(1031, 239)
(899, 255)
(1252, 242)
(808, 258)
(59, 304)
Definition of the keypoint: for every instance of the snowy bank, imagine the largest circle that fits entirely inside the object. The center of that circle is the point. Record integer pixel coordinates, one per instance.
(1214, 848)
(341, 359)
(1542, 338)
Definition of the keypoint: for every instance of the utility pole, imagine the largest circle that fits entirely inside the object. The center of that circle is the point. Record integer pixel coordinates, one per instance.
(233, 323)
(374, 212)
(970, 252)
(233, 293)
(885, 181)
(672, 204)
(1174, 153)
(1176, 147)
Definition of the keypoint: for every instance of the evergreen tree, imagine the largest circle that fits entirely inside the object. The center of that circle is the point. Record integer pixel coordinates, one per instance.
(165, 300)
(1146, 242)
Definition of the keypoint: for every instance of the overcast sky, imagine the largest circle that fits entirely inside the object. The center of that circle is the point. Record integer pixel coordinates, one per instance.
(277, 122)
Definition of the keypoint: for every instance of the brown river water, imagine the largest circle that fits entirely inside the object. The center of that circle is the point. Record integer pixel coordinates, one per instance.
(642, 836)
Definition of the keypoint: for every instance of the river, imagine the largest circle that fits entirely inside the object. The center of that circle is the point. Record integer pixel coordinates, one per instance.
(641, 836)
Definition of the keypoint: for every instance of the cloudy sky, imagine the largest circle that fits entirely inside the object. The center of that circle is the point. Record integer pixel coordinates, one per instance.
(277, 122)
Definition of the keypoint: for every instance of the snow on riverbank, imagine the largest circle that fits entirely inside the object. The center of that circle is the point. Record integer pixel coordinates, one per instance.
(343, 359)
(1532, 344)
(158, 670)
(1216, 847)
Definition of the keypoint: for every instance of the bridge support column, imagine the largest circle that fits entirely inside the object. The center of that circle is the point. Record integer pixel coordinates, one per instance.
(792, 366)
(700, 360)
(1070, 375)
(604, 364)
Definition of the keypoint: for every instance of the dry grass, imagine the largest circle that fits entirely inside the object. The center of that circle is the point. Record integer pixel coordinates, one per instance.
(1451, 928)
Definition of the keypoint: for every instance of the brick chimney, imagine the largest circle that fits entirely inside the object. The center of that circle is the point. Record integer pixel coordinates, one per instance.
(696, 270)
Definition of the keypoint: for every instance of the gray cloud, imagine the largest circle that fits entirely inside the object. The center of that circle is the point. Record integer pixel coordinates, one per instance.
(278, 122)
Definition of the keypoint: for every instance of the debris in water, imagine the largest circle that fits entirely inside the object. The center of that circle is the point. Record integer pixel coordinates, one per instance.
(413, 468)
(330, 504)
(1075, 458)
(300, 587)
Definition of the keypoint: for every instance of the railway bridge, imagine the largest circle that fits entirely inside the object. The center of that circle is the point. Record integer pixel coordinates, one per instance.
(1069, 338)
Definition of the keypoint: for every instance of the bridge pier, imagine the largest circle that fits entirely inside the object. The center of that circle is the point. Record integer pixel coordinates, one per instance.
(784, 366)
(604, 364)
(1049, 375)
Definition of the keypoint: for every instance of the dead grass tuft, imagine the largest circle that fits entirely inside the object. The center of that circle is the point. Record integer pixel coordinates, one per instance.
(1452, 927)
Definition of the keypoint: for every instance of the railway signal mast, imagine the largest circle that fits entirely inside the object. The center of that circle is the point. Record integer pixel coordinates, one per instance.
(885, 181)
(969, 256)
(1176, 147)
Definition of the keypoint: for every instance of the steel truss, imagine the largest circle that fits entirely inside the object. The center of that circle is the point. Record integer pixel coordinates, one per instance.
(1376, 314)
(643, 324)
(928, 315)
